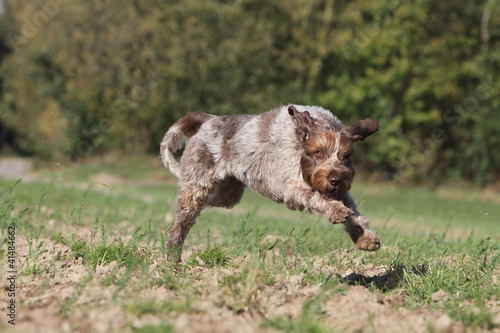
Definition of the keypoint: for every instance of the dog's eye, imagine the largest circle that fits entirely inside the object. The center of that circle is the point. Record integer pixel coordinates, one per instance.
(319, 154)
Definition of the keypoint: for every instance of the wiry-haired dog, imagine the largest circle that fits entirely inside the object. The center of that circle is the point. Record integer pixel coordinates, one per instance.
(296, 155)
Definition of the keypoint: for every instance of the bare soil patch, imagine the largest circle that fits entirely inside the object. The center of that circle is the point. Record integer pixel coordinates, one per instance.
(69, 296)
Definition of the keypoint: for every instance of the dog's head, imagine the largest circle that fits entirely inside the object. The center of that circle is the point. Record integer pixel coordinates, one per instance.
(326, 161)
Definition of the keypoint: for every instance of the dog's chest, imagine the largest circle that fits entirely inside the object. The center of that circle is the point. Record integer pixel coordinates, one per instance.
(268, 161)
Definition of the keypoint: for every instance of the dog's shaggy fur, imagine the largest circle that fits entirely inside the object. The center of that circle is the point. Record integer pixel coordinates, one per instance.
(296, 155)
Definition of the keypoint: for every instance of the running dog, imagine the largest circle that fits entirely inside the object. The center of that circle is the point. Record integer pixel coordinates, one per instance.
(296, 155)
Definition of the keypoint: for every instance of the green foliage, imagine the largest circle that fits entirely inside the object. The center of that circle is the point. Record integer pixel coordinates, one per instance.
(213, 255)
(244, 243)
(115, 77)
(33, 253)
(7, 215)
(462, 277)
(427, 78)
(161, 328)
(105, 252)
(19, 218)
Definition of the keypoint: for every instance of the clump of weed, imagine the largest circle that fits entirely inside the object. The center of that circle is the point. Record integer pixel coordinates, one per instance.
(244, 243)
(286, 247)
(213, 255)
(242, 237)
(161, 328)
(465, 278)
(298, 245)
(8, 215)
(32, 268)
(105, 251)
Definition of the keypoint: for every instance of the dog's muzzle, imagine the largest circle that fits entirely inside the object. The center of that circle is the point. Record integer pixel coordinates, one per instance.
(330, 195)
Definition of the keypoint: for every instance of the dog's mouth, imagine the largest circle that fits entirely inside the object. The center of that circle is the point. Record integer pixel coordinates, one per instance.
(330, 195)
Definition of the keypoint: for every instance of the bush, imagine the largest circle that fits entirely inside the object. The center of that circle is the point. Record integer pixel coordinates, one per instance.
(85, 77)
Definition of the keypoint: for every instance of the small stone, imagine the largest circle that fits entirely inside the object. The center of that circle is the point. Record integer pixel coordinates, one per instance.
(439, 296)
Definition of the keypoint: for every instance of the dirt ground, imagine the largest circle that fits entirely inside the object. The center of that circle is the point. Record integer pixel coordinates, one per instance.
(94, 306)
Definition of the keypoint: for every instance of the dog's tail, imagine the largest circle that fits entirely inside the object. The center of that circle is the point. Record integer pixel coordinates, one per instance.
(177, 136)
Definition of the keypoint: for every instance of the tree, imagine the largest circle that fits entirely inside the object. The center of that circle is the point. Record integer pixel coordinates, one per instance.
(91, 76)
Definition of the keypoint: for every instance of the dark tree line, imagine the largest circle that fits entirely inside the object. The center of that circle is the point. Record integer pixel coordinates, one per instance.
(85, 77)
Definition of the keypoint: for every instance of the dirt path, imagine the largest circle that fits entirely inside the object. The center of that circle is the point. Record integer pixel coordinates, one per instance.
(16, 167)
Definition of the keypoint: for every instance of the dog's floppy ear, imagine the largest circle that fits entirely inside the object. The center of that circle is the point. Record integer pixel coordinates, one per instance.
(303, 120)
(362, 129)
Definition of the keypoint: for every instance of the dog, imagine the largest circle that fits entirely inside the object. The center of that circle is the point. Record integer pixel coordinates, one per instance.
(296, 155)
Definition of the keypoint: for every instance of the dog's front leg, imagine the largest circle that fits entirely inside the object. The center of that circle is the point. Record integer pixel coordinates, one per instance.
(304, 199)
(357, 228)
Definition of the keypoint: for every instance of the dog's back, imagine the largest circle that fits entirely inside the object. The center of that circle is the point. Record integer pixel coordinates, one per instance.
(253, 131)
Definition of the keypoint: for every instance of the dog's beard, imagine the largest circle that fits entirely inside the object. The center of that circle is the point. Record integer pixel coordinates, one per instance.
(330, 196)
(320, 182)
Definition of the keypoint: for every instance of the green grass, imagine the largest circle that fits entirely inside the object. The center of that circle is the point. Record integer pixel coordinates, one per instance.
(212, 255)
(435, 241)
(161, 328)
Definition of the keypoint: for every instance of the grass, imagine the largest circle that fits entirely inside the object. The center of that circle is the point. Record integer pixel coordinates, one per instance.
(103, 252)
(441, 249)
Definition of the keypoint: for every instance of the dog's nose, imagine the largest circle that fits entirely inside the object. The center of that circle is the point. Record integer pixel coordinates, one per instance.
(335, 181)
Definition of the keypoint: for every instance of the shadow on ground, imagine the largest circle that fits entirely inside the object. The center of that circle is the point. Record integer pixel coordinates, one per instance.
(387, 281)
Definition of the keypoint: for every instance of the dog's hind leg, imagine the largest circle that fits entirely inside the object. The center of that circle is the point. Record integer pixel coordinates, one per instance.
(190, 202)
(357, 228)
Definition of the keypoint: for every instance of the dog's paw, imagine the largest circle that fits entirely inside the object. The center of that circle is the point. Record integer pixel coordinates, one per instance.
(173, 252)
(338, 213)
(174, 258)
(369, 241)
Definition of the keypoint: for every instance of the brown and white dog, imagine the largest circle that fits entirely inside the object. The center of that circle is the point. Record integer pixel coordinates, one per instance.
(296, 155)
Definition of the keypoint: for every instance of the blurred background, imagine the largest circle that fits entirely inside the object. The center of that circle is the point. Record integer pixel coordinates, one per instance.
(84, 78)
